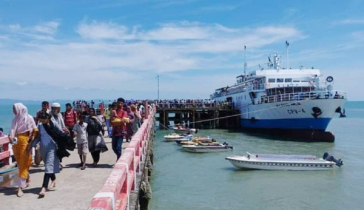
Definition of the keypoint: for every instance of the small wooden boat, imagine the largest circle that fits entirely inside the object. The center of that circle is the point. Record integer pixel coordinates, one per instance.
(284, 162)
(203, 148)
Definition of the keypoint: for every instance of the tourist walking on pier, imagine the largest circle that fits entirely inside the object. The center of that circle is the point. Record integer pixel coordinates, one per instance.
(107, 120)
(95, 132)
(57, 119)
(22, 130)
(45, 108)
(118, 119)
(80, 130)
(70, 118)
(135, 125)
(53, 144)
(129, 125)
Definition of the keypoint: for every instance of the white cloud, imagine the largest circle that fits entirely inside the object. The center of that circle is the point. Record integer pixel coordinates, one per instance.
(350, 21)
(47, 27)
(110, 58)
(42, 31)
(358, 35)
(101, 30)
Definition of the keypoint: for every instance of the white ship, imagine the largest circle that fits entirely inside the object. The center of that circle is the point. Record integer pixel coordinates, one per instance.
(284, 99)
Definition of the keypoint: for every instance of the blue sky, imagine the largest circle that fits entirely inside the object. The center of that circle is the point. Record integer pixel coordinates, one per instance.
(106, 49)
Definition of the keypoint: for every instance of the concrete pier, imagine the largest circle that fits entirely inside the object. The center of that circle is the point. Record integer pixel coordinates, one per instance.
(105, 187)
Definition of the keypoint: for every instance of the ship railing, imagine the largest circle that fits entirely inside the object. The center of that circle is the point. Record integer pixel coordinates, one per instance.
(303, 96)
(219, 105)
(256, 87)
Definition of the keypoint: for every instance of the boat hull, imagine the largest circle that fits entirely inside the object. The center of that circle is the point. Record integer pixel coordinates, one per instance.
(304, 115)
(205, 149)
(281, 165)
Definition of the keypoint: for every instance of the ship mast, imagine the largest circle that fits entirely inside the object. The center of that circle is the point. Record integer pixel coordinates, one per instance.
(245, 63)
(287, 61)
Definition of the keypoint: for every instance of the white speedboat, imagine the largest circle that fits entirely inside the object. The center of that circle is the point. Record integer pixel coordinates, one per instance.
(284, 162)
(203, 148)
(173, 137)
(184, 130)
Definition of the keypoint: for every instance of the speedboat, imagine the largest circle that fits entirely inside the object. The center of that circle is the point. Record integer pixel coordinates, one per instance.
(207, 147)
(173, 137)
(195, 140)
(184, 130)
(284, 162)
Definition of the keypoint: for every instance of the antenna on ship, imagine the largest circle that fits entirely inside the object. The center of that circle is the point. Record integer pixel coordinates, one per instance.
(244, 63)
(287, 61)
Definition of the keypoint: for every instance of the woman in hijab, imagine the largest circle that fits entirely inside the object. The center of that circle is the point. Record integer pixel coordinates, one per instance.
(96, 143)
(23, 129)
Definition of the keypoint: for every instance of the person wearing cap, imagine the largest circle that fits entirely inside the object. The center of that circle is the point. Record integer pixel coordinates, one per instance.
(118, 129)
(70, 117)
(57, 118)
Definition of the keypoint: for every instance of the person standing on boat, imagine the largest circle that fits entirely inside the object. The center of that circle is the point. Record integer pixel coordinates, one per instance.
(23, 129)
(118, 127)
(95, 132)
(52, 148)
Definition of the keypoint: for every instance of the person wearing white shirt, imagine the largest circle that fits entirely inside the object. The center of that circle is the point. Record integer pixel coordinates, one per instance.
(80, 130)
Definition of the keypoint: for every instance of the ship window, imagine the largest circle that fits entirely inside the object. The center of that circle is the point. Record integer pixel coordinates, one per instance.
(304, 80)
(288, 80)
(296, 81)
(280, 79)
(271, 80)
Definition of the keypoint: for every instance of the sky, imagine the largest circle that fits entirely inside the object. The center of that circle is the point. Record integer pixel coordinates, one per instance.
(88, 49)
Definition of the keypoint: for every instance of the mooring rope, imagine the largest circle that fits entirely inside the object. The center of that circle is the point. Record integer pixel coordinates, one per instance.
(235, 115)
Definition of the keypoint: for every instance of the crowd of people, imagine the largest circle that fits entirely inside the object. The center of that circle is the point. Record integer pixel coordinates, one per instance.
(53, 134)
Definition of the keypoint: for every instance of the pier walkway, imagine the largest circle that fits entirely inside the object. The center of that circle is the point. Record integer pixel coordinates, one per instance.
(74, 190)
(109, 186)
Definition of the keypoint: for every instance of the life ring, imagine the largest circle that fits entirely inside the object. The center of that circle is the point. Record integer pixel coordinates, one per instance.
(329, 79)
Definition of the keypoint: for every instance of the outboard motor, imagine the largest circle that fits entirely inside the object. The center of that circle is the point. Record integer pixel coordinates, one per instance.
(227, 145)
(331, 158)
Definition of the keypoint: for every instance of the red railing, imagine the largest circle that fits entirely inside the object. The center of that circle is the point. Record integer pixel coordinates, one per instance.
(6, 154)
(114, 195)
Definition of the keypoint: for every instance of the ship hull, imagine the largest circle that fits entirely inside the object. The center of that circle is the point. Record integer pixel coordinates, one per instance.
(295, 115)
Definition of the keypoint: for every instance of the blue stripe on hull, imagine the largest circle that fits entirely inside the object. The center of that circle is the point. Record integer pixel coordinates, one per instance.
(300, 123)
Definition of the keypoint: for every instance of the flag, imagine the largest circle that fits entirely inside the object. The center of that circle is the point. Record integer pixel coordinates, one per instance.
(287, 44)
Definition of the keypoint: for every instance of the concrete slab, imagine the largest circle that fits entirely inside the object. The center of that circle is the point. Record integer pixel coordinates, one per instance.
(75, 188)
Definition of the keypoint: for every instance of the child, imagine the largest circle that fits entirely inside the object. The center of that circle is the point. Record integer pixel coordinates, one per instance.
(1, 132)
(82, 144)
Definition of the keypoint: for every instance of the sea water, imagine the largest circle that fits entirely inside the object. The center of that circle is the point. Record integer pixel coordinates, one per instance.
(182, 180)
